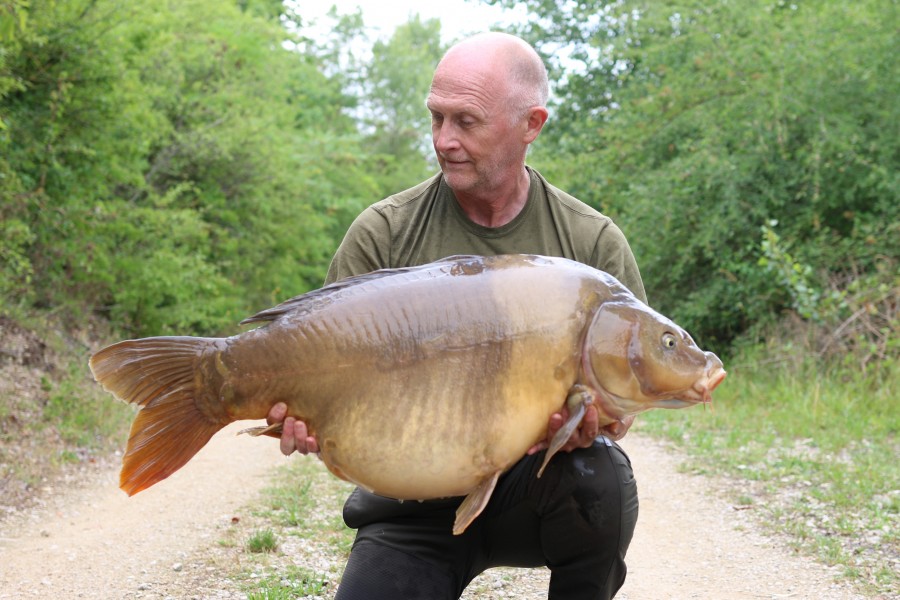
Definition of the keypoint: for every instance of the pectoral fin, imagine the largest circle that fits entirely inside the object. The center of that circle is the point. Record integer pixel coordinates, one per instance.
(474, 503)
(576, 403)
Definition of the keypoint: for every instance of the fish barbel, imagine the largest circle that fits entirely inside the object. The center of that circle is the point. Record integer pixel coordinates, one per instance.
(418, 383)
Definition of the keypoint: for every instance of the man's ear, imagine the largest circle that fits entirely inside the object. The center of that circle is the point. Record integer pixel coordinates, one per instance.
(536, 118)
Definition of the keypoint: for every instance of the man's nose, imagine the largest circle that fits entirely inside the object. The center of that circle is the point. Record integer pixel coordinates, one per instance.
(444, 137)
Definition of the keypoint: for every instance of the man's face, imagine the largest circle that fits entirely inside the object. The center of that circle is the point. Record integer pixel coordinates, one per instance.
(477, 143)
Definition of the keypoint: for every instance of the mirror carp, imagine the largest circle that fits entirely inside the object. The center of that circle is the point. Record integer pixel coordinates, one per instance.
(418, 383)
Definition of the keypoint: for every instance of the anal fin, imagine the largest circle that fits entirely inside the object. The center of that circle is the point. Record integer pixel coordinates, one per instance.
(273, 430)
(474, 503)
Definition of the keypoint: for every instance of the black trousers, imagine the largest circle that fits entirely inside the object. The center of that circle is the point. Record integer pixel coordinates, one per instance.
(577, 519)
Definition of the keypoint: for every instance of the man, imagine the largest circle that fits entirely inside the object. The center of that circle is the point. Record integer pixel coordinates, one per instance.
(487, 103)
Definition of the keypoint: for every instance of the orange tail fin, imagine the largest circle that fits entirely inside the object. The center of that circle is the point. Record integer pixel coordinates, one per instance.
(165, 377)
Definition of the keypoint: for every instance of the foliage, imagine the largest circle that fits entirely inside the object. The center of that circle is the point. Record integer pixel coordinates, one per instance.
(165, 167)
(696, 124)
(397, 81)
(170, 165)
(175, 166)
(387, 81)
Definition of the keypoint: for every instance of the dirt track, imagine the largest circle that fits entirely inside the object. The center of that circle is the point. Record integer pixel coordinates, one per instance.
(97, 543)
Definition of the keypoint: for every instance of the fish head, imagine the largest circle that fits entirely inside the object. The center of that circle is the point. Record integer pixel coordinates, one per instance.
(635, 359)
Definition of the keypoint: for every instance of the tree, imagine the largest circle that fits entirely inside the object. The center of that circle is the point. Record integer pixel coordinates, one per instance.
(396, 84)
(699, 125)
(171, 165)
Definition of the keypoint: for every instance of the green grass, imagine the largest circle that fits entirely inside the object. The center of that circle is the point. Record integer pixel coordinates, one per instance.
(262, 541)
(301, 510)
(82, 412)
(305, 502)
(288, 505)
(293, 582)
(817, 449)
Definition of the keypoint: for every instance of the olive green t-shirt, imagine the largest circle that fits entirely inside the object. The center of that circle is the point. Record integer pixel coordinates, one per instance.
(425, 223)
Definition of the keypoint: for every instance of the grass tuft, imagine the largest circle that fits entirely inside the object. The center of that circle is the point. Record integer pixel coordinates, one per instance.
(262, 541)
(293, 582)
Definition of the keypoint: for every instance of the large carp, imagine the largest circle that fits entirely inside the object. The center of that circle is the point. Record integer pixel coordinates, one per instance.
(418, 383)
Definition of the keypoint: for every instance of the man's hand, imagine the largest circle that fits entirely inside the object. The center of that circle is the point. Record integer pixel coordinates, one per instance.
(589, 429)
(617, 429)
(294, 435)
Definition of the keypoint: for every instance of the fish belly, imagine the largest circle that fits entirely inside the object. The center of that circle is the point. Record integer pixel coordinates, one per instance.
(422, 389)
(422, 451)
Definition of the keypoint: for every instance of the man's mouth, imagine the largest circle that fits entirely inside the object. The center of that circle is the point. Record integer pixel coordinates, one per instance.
(454, 161)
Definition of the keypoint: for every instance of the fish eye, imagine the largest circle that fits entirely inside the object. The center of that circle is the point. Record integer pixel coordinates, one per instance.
(669, 340)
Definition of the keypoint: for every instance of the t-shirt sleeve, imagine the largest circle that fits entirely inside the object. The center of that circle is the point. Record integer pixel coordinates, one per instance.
(613, 255)
(365, 247)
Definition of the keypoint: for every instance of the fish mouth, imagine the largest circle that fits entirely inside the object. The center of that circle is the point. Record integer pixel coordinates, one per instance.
(705, 386)
(699, 393)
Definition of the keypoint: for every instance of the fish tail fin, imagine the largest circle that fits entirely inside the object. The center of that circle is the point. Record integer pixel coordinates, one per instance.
(170, 379)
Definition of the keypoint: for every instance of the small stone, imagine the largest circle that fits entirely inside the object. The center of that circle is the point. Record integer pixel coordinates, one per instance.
(177, 567)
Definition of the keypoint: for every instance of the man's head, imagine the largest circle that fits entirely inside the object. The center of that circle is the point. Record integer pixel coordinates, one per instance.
(488, 103)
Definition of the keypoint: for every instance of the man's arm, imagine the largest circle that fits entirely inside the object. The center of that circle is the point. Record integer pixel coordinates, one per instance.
(365, 247)
(613, 254)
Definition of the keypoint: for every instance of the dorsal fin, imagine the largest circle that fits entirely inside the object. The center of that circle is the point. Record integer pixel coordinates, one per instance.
(292, 304)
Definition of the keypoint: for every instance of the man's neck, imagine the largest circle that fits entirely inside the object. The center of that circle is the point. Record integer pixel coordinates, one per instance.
(500, 206)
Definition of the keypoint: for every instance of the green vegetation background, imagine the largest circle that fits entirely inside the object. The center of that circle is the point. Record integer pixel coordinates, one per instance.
(172, 167)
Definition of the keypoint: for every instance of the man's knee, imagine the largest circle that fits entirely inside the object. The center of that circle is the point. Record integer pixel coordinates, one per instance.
(594, 502)
(586, 532)
(604, 486)
(378, 572)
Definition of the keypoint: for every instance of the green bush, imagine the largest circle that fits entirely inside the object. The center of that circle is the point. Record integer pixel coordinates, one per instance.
(697, 125)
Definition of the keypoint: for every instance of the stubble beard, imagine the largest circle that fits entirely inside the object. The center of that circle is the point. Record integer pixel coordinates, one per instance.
(474, 179)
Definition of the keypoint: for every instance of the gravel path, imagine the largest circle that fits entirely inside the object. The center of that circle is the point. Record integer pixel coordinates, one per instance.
(95, 542)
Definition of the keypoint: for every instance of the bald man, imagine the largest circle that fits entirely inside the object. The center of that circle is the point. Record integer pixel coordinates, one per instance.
(488, 104)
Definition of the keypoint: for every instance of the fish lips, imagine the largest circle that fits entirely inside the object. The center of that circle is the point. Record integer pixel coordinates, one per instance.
(701, 391)
(616, 407)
